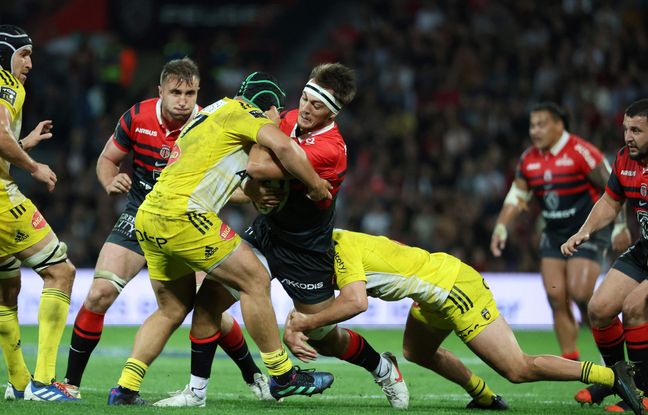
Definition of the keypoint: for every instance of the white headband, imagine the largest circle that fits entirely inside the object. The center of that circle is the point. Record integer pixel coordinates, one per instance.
(323, 95)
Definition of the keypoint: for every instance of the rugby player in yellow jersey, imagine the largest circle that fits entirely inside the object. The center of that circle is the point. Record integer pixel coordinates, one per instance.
(180, 233)
(449, 295)
(25, 236)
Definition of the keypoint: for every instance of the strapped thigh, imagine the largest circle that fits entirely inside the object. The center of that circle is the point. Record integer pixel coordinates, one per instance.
(111, 277)
(53, 253)
(9, 268)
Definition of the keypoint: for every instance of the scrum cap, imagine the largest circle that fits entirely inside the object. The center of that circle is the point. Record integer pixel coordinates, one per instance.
(12, 40)
(263, 91)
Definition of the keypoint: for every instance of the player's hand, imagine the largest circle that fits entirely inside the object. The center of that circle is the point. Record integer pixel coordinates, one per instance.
(43, 131)
(120, 184)
(321, 191)
(571, 246)
(296, 341)
(45, 175)
(264, 196)
(498, 239)
(273, 114)
(621, 239)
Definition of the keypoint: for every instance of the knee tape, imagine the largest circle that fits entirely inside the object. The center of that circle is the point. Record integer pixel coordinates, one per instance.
(9, 268)
(320, 332)
(111, 277)
(53, 253)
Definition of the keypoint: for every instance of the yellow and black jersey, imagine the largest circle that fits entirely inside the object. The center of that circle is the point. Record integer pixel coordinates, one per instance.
(12, 96)
(208, 161)
(394, 271)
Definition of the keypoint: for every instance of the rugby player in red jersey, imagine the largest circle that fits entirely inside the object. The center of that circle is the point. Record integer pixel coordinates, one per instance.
(149, 130)
(567, 175)
(624, 288)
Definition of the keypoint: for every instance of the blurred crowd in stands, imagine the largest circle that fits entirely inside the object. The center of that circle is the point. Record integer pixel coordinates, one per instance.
(433, 135)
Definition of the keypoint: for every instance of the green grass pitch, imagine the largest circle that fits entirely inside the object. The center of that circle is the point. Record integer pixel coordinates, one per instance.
(353, 392)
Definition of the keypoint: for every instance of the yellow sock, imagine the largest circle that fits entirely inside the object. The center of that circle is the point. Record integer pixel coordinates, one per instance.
(277, 362)
(52, 314)
(479, 390)
(593, 373)
(132, 374)
(19, 375)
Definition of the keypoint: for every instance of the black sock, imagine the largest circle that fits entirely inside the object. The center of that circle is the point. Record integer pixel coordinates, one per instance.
(80, 350)
(202, 355)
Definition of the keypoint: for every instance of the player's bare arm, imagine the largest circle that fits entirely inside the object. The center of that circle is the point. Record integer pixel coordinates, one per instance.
(108, 173)
(515, 202)
(602, 214)
(264, 165)
(351, 301)
(11, 151)
(43, 131)
(621, 238)
(293, 158)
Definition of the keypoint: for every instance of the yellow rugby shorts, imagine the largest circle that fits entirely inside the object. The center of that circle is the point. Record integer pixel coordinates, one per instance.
(21, 227)
(175, 246)
(469, 308)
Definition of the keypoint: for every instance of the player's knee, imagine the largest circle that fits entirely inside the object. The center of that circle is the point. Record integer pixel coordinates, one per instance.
(599, 313)
(633, 311)
(101, 296)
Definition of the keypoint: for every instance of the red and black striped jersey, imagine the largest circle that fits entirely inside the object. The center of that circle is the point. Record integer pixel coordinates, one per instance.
(558, 179)
(141, 130)
(629, 182)
(301, 221)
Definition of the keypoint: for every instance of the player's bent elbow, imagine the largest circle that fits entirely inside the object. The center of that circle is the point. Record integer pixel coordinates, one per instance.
(360, 305)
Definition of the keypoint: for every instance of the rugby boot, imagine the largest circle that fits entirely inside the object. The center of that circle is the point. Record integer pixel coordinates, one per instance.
(593, 394)
(182, 399)
(13, 394)
(393, 385)
(261, 387)
(122, 396)
(303, 382)
(625, 388)
(498, 404)
(623, 407)
(54, 392)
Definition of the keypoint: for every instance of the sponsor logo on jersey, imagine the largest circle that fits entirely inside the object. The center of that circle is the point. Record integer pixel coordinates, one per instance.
(146, 131)
(38, 221)
(630, 173)
(209, 251)
(339, 263)
(226, 232)
(559, 214)
(587, 155)
(533, 166)
(565, 161)
(486, 314)
(20, 236)
(302, 285)
(547, 176)
(551, 200)
(8, 94)
(175, 154)
(213, 107)
(165, 152)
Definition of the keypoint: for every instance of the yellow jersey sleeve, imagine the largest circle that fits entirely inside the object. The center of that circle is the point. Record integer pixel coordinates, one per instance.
(245, 124)
(348, 260)
(12, 93)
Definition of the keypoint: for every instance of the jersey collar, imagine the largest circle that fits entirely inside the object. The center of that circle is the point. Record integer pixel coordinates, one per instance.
(312, 133)
(560, 144)
(158, 112)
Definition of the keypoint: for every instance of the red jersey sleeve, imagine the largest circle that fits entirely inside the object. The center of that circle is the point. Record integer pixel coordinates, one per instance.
(588, 156)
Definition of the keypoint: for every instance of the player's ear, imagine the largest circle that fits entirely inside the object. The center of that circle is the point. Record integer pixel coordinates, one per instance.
(160, 90)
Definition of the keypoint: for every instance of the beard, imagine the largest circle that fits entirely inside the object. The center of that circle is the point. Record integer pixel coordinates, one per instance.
(639, 155)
